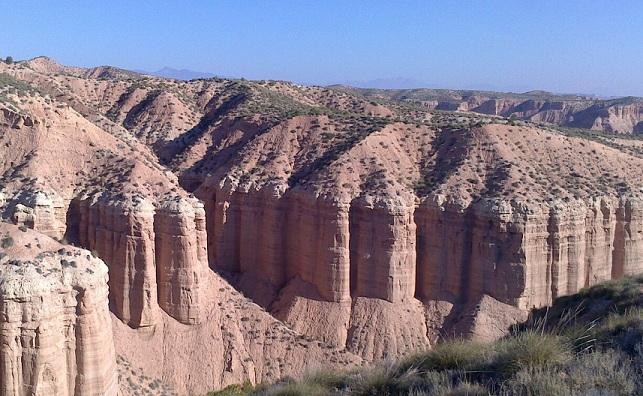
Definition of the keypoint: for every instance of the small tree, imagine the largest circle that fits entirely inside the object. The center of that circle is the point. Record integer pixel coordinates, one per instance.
(9, 60)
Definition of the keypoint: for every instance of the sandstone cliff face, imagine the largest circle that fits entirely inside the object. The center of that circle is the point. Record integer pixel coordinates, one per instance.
(55, 329)
(522, 254)
(318, 253)
(383, 251)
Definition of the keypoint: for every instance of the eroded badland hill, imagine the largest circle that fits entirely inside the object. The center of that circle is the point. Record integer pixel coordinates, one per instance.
(228, 230)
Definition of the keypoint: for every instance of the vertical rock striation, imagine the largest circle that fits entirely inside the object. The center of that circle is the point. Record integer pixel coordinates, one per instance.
(383, 250)
(121, 232)
(442, 240)
(600, 225)
(520, 253)
(156, 255)
(318, 248)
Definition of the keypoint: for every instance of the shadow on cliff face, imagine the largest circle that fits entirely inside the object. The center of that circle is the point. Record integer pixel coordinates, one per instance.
(329, 156)
(449, 151)
(167, 151)
(228, 138)
(638, 128)
(73, 223)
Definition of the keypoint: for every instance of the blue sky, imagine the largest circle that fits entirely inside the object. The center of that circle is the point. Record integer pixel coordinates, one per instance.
(562, 46)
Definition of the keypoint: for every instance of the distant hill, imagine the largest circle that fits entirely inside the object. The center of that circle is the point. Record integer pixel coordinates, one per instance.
(619, 115)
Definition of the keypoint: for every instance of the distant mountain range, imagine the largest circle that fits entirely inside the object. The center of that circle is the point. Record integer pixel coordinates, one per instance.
(389, 83)
(178, 74)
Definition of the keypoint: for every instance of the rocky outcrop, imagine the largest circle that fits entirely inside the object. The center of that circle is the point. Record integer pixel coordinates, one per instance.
(42, 211)
(155, 256)
(17, 120)
(55, 328)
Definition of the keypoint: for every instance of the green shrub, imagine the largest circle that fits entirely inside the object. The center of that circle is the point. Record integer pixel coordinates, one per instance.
(374, 381)
(469, 389)
(534, 381)
(7, 242)
(531, 349)
(451, 355)
(297, 389)
(234, 390)
(330, 379)
(602, 373)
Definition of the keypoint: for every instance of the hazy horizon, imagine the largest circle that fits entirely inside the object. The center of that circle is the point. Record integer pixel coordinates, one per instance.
(582, 47)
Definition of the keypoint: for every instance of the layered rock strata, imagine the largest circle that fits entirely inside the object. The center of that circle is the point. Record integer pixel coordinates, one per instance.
(524, 255)
(55, 327)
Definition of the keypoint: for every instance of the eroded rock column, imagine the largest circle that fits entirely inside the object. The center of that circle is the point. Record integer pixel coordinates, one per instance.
(179, 247)
(567, 244)
(628, 240)
(122, 233)
(600, 225)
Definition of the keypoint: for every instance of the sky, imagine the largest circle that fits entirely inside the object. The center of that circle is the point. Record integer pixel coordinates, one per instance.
(572, 46)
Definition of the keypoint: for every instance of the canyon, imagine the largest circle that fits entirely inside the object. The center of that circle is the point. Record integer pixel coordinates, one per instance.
(232, 230)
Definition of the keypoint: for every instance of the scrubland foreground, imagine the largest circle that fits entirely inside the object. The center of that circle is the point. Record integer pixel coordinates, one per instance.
(590, 343)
